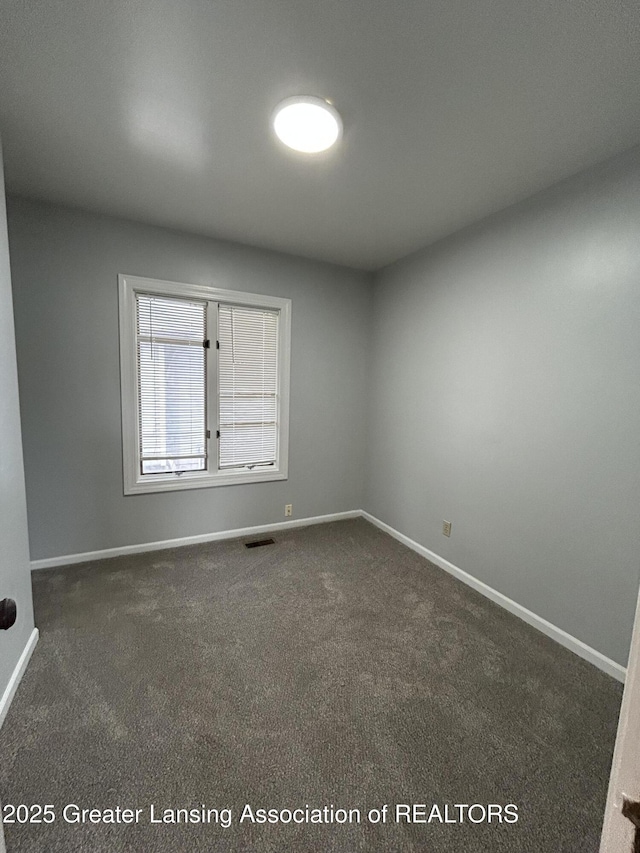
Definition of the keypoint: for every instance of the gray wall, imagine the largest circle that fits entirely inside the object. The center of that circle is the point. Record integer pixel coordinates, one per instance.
(15, 579)
(505, 397)
(65, 264)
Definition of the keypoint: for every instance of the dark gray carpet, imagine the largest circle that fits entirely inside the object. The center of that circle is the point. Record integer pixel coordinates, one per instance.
(334, 667)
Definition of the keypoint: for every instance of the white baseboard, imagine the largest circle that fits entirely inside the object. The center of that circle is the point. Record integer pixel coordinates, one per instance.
(17, 674)
(90, 556)
(567, 640)
(572, 643)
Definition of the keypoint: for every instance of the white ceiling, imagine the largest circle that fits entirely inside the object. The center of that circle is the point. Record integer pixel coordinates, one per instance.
(159, 110)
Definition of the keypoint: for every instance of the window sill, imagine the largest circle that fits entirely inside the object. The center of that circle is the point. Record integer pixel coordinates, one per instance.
(175, 483)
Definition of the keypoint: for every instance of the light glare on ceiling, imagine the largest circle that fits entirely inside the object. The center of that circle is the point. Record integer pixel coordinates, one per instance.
(306, 123)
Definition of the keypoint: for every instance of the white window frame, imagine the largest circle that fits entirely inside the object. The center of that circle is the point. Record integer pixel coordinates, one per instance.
(134, 481)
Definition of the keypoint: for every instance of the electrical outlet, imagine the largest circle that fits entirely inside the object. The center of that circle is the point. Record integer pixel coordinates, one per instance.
(446, 528)
(288, 510)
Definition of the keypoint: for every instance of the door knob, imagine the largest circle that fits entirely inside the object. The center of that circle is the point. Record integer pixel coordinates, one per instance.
(631, 811)
(7, 613)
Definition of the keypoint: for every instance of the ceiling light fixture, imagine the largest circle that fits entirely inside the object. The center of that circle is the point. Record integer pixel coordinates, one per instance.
(306, 123)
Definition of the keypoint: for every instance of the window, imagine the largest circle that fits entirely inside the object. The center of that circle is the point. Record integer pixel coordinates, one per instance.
(205, 385)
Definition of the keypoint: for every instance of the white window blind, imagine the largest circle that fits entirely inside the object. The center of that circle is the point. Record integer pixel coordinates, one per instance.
(247, 386)
(171, 367)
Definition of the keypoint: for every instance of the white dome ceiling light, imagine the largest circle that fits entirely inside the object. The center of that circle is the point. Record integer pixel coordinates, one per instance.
(306, 123)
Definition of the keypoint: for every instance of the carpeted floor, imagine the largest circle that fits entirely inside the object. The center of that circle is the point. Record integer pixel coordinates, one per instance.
(333, 667)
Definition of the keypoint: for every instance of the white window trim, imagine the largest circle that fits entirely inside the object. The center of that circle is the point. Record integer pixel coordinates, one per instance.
(134, 482)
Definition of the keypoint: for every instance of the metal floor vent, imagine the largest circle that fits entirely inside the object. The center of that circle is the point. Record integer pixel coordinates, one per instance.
(259, 543)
